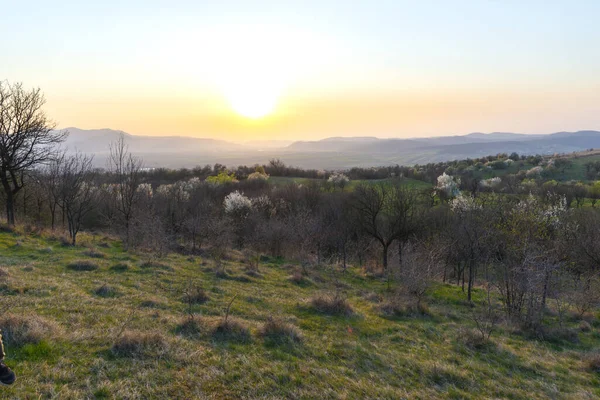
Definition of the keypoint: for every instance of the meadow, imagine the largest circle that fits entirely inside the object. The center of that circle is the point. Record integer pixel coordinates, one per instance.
(95, 321)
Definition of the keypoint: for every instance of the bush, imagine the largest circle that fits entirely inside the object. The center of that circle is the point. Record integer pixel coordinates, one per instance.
(83, 265)
(141, 344)
(231, 329)
(278, 331)
(332, 305)
(19, 330)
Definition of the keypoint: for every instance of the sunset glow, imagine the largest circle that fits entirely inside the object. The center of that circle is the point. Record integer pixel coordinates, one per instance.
(238, 71)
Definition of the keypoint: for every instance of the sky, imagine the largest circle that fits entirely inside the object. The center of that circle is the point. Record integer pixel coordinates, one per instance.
(289, 70)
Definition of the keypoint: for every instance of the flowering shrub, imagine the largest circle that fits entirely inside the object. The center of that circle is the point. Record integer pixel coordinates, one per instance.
(448, 185)
(534, 172)
(236, 203)
(462, 203)
(338, 179)
(490, 183)
(258, 176)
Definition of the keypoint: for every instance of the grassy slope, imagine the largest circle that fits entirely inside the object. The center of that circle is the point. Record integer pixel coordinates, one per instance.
(366, 355)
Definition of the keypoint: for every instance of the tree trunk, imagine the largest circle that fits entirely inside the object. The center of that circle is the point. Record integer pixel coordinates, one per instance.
(10, 208)
(385, 257)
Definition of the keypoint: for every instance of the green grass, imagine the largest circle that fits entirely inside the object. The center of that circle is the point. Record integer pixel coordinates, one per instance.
(362, 355)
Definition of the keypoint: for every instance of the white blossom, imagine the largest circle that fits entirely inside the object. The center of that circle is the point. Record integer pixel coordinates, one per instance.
(448, 185)
(236, 202)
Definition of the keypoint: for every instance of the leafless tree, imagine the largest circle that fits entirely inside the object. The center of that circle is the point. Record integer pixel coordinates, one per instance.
(27, 138)
(387, 213)
(127, 171)
(77, 191)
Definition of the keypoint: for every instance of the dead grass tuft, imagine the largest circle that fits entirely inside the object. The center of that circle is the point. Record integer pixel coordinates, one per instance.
(19, 330)
(278, 331)
(331, 304)
(137, 344)
(83, 265)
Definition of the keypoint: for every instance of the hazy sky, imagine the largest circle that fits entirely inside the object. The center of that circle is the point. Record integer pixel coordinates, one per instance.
(382, 68)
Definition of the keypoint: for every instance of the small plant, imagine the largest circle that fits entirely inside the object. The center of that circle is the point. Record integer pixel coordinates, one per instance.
(83, 265)
(136, 344)
(231, 328)
(277, 331)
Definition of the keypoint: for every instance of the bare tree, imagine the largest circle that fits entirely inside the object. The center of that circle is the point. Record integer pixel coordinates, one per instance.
(27, 138)
(77, 191)
(127, 171)
(387, 213)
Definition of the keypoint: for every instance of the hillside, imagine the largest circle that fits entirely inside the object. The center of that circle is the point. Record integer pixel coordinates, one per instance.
(329, 153)
(116, 331)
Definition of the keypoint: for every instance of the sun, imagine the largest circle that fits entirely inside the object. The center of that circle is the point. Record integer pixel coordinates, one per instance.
(251, 97)
(253, 103)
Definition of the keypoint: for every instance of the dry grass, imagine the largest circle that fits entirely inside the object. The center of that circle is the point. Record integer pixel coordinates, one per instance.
(93, 253)
(195, 295)
(592, 362)
(331, 304)
(278, 331)
(231, 329)
(155, 265)
(137, 344)
(19, 330)
(83, 265)
(120, 267)
(106, 291)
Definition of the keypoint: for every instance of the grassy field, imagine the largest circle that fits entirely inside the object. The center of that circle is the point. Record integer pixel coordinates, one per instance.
(118, 331)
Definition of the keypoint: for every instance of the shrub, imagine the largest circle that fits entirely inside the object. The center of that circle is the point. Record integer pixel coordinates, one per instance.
(136, 344)
(277, 331)
(332, 305)
(19, 330)
(82, 265)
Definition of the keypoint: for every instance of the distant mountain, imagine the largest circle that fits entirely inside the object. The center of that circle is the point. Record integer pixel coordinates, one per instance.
(99, 140)
(330, 153)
